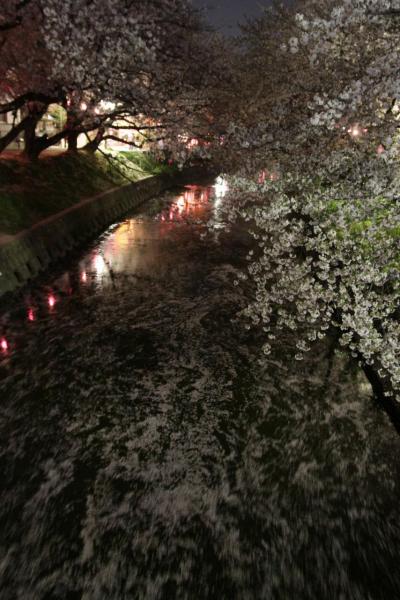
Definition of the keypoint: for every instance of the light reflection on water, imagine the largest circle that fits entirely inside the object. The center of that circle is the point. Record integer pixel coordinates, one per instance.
(122, 249)
(146, 453)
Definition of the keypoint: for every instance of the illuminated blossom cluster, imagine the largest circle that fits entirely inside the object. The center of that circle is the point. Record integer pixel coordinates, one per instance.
(103, 44)
(327, 226)
(325, 261)
(358, 42)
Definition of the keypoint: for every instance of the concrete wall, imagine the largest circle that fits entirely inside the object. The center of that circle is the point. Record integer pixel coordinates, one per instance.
(29, 252)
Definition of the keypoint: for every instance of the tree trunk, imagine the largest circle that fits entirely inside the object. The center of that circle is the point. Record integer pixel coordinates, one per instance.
(32, 142)
(10, 136)
(388, 403)
(93, 145)
(72, 139)
(73, 133)
(45, 142)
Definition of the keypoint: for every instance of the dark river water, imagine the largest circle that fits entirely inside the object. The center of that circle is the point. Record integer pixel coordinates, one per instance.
(147, 450)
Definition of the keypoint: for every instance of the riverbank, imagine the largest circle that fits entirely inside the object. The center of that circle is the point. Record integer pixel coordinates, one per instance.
(49, 234)
(33, 191)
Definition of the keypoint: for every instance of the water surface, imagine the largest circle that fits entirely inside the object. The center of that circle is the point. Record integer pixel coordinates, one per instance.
(146, 452)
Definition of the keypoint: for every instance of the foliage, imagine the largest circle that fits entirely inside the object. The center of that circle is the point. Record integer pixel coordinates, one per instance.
(147, 162)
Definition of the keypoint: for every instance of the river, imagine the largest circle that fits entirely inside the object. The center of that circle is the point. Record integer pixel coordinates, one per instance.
(148, 450)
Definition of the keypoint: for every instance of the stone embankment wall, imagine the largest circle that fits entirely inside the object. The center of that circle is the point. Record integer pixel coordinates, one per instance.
(26, 254)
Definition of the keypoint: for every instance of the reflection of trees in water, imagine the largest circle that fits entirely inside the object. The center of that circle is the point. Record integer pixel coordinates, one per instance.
(192, 203)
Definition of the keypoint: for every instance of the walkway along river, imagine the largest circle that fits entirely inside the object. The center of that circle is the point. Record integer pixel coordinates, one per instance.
(146, 452)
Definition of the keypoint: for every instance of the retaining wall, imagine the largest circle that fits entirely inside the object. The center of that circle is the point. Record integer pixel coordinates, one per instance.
(29, 252)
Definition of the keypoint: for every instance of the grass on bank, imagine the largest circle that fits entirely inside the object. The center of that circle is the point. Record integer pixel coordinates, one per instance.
(30, 192)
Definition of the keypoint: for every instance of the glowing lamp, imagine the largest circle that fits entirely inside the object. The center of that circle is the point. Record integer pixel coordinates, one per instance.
(51, 300)
(220, 187)
(4, 345)
(99, 264)
(354, 131)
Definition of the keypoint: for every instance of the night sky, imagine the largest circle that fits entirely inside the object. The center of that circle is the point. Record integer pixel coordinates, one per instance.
(226, 14)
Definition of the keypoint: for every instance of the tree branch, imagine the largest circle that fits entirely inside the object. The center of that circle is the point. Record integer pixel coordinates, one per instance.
(28, 97)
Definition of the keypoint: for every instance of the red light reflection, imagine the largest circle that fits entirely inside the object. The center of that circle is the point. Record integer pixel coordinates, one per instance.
(51, 300)
(83, 277)
(31, 314)
(191, 203)
(4, 344)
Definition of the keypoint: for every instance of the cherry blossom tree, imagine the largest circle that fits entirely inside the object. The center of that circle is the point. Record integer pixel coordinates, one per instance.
(25, 83)
(103, 61)
(320, 118)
